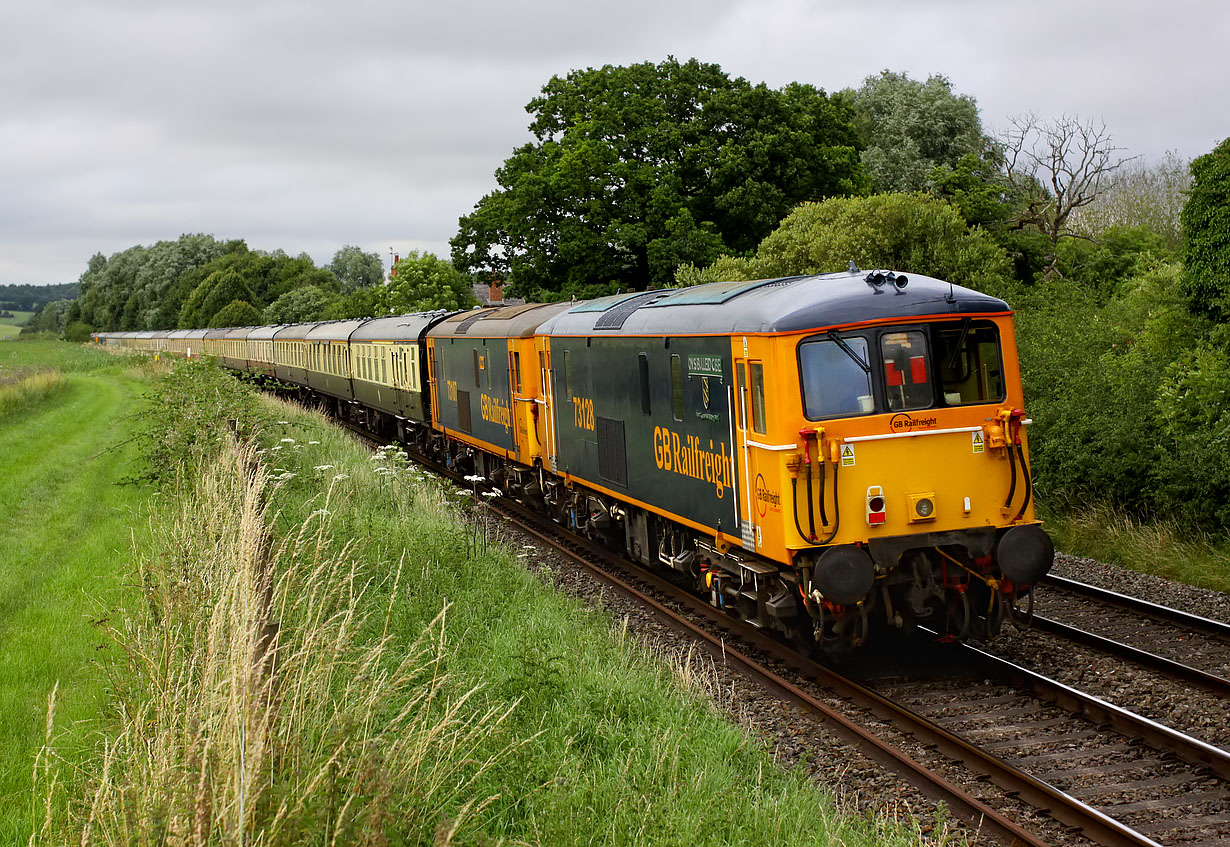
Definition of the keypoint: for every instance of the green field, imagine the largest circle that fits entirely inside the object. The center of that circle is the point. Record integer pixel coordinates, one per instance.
(11, 327)
(67, 540)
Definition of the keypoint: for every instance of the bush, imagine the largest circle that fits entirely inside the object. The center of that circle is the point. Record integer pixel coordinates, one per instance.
(905, 232)
(78, 332)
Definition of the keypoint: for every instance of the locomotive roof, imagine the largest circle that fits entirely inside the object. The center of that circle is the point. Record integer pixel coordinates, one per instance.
(502, 322)
(397, 327)
(788, 304)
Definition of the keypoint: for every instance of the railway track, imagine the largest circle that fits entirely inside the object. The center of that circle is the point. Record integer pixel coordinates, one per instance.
(1116, 778)
(1184, 646)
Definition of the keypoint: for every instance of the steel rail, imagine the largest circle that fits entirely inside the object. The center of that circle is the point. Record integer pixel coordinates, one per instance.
(1124, 601)
(1211, 682)
(1125, 722)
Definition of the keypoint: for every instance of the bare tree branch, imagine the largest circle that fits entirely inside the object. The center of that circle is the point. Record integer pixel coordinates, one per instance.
(1057, 167)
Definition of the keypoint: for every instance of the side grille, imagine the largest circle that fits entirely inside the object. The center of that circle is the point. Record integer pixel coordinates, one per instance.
(463, 412)
(612, 455)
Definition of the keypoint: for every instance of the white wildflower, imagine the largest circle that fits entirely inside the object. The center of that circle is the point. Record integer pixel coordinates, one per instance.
(323, 468)
(474, 478)
(313, 442)
(283, 422)
(492, 493)
(340, 477)
(288, 441)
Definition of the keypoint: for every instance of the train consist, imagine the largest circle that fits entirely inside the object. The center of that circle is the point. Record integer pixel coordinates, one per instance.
(819, 455)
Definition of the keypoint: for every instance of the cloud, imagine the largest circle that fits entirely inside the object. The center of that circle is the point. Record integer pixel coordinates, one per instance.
(308, 125)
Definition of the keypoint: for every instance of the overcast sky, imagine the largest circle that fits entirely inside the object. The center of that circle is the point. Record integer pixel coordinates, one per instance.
(307, 125)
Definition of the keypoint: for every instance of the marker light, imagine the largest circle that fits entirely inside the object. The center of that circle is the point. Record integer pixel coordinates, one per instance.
(875, 505)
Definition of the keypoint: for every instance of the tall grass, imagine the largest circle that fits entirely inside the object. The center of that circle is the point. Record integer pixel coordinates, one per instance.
(262, 702)
(1161, 546)
(24, 387)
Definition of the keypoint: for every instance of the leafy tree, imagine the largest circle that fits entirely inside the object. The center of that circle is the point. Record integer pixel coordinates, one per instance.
(910, 128)
(1079, 354)
(217, 290)
(77, 332)
(1194, 412)
(638, 169)
(1118, 254)
(905, 232)
(1206, 227)
(52, 317)
(422, 282)
(370, 302)
(236, 313)
(976, 188)
(308, 303)
(356, 269)
(1140, 195)
(140, 288)
(31, 298)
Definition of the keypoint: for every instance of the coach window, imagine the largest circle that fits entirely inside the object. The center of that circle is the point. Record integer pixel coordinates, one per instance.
(758, 421)
(836, 374)
(967, 356)
(677, 386)
(906, 382)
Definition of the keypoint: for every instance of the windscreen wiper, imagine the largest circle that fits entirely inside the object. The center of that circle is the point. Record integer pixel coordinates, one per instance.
(849, 351)
(956, 351)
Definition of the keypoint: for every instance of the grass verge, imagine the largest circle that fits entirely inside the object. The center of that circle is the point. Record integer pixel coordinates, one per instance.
(1163, 547)
(332, 644)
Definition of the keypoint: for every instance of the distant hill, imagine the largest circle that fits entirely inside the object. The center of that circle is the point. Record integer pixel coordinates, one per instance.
(31, 298)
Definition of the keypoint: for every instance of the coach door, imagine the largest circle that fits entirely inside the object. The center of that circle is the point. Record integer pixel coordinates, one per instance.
(749, 422)
(545, 422)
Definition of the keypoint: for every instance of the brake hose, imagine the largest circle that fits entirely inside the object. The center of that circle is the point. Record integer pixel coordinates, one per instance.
(794, 497)
(836, 507)
(1029, 486)
(1012, 487)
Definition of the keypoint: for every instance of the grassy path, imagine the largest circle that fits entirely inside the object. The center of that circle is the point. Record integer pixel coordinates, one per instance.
(65, 537)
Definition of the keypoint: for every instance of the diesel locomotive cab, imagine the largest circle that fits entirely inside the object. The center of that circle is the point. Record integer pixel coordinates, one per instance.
(916, 425)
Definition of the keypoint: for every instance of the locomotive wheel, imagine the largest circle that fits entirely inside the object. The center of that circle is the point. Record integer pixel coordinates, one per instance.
(995, 615)
(1022, 615)
(959, 615)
